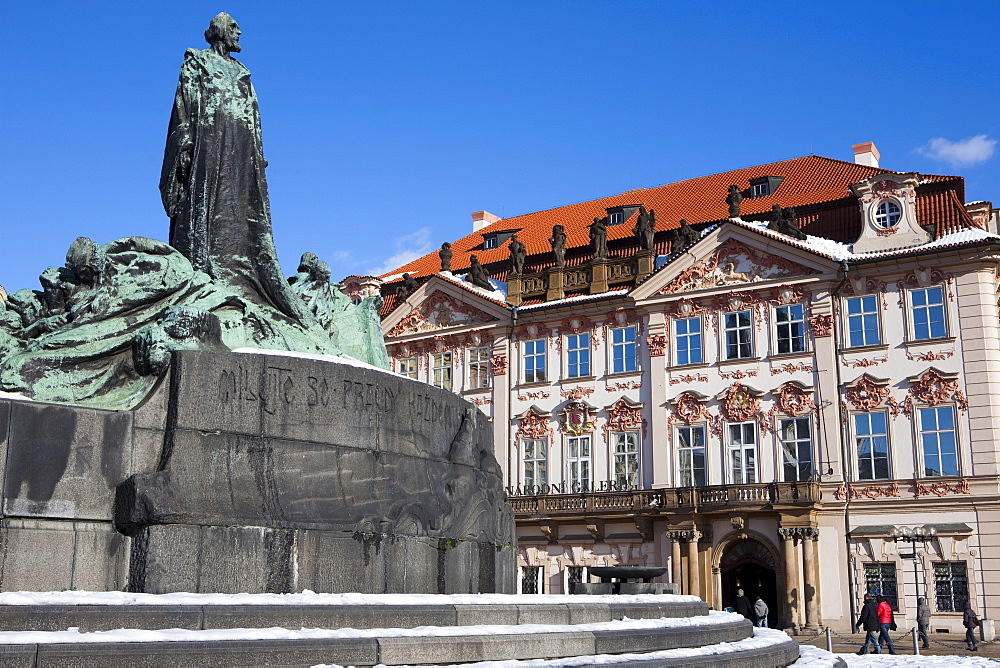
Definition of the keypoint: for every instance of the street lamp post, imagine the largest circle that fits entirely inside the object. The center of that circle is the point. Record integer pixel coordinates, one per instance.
(913, 536)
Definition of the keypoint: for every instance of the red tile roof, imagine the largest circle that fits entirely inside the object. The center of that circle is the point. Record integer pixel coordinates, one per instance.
(810, 180)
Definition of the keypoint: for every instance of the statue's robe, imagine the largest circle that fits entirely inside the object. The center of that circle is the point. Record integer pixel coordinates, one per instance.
(220, 217)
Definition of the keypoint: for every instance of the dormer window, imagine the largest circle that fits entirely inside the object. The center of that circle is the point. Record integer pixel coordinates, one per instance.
(762, 186)
(887, 214)
(496, 239)
(617, 215)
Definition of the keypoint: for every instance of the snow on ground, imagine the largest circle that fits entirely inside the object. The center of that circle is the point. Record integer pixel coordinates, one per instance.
(311, 598)
(73, 635)
(14, 396)
(877, 660)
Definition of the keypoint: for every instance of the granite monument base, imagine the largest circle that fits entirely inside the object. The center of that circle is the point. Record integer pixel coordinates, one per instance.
(256, 473)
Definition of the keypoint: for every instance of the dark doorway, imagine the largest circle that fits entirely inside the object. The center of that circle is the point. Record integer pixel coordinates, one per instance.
(750, 566)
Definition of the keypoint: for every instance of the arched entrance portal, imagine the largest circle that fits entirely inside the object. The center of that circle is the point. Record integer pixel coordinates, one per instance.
(749, 565)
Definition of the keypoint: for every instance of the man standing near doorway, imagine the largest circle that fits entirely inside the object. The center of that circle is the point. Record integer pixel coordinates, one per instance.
(743, 605)
(760, 609)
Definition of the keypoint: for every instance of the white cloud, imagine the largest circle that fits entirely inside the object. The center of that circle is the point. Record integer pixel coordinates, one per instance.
(408, 248)
(962, 153)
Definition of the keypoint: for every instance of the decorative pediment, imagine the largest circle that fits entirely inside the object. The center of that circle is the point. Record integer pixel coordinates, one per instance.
(740, 402)
(690, 406)
(934, 387)
(734, 263)
(440, 311)
(794, 398)
(867, 392)
(624, 415)
(534, 423)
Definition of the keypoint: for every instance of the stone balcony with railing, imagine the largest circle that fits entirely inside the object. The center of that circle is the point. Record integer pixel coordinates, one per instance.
(704, 499)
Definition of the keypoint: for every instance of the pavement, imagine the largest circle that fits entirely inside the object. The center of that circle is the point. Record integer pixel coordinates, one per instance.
(942, 644)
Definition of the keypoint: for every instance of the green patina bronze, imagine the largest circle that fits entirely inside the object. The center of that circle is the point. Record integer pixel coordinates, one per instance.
(102, 328)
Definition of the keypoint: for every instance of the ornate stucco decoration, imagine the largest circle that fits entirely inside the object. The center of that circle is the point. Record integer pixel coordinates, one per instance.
(498, 365)
(577, 393)
(690, 407)
(923, 277)
(657, 345)
(440, 311)
(622, 317)
(624, 415)
(689, 378)
(821, 325)
(942, 488)
(870, 492)
(933, 387)
(867, 392)
(578, 418)
(740, 402)
(734, 263)
(794, 398)
(531, 330)
(685, 308)
(534, 423)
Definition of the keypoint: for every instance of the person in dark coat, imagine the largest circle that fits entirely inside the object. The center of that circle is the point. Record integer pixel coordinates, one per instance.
(970, 620)
(743, 605)
(923, 621)
(868, 620)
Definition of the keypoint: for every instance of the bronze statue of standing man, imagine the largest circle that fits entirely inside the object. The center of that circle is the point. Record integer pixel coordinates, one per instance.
(212, 183)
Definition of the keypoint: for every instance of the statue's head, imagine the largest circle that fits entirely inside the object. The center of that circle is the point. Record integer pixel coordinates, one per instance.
(321, 272)
(224, 30)
(81, 258)
(558, 229)
(473, 259)
(307, 262)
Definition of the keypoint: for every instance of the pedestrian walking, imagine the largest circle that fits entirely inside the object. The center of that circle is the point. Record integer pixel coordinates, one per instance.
(868, 620)
(760, 609)
(743, 605)
(970, 620)
(923, 621)
(885, 623)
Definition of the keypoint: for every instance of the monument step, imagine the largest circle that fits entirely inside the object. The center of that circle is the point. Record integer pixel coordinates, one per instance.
(89, 618)
(719, 639)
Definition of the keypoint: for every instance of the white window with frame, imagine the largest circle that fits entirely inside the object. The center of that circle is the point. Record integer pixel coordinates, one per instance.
(937, 441)
(441, 370)
(489, 243)
(872, 442)
(534, 458)
(573, 575)
(742, 447)
(738, 335)
(688, 341)
(759, 190)
(927, 313)
(578, 464)
(616, 218)
(533, 354)
(795, 437)
(578, 355)
(407, 367)
(625, 459)
(790, 328)
(887, 214)
(691, 455)
(862, 321)
(624, 356)
(479, 367)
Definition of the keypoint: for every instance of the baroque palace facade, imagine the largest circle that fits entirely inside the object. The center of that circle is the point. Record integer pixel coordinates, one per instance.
(795, 392)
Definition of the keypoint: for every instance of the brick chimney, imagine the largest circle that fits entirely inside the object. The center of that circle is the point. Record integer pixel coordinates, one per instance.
(481, 219)
(864, 154)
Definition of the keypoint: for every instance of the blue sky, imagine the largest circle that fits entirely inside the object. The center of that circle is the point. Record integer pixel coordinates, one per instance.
(387, 123)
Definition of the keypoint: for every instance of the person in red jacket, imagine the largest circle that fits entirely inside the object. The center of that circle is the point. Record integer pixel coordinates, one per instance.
(884, 623)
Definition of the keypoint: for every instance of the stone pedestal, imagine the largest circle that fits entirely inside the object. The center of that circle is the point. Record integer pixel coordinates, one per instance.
(598, 276)
(257, 473)
(556, 289)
